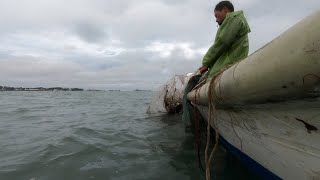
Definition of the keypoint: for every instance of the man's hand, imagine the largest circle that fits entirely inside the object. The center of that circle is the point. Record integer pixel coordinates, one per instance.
(203, 69)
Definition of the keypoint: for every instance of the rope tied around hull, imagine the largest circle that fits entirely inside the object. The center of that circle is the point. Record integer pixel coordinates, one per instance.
(212, 98)
(211, 119)
(210, 122)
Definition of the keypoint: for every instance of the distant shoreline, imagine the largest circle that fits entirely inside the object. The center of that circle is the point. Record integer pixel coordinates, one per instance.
(8, 88)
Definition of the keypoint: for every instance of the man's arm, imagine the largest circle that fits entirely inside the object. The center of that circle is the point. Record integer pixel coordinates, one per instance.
(223, 42)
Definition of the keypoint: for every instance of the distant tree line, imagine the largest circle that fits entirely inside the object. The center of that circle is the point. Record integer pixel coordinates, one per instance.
(8, 88)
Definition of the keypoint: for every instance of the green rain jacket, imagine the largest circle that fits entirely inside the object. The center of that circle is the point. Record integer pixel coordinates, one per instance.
(231, 43)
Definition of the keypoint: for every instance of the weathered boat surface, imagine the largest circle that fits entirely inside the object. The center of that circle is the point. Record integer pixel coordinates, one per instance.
(273, 113)
(279, 136)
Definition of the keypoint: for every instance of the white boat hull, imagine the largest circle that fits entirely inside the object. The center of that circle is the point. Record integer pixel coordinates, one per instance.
(272, 136)
(282, 136)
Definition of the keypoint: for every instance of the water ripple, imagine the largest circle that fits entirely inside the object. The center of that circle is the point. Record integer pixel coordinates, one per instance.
(91, 135)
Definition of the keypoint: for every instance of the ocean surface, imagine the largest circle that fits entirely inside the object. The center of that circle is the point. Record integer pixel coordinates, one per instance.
(97, 135)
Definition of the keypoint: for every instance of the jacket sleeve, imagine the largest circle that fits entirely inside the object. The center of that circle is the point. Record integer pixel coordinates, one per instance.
(224, 40)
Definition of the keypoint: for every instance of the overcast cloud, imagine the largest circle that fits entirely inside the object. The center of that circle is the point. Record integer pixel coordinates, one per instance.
(122, 44)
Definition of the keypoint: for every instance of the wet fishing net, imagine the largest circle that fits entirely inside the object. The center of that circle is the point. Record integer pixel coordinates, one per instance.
(172, 98)
(169, 96)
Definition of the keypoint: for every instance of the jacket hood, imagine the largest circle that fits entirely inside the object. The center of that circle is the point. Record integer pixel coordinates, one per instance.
(240, 15)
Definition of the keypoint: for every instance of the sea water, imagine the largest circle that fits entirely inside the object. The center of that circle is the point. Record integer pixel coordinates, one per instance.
(97, 135)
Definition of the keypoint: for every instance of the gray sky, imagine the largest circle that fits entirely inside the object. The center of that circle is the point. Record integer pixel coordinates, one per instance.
(122, 44)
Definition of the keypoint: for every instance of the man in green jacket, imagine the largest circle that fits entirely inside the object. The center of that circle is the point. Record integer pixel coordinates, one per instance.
(231, 43)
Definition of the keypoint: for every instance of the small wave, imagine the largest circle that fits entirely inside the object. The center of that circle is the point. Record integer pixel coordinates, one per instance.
(21, 110)
(88, 132)
(68, 148)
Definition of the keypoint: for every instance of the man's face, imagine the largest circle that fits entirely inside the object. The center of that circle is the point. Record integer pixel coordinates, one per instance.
(220, 15)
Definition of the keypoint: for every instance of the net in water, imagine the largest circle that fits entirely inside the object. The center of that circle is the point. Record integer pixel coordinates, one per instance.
(169, 96)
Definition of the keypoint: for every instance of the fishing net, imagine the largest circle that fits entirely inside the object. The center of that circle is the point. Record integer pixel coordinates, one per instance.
(172, 98)
(169, 96)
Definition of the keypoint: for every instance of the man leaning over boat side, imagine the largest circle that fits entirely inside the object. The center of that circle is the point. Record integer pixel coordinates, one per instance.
(231, 42)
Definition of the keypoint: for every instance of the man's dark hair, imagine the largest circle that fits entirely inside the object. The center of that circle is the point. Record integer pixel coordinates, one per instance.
(226, 4)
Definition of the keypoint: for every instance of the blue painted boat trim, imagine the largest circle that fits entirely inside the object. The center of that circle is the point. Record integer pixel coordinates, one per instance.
(251, 164)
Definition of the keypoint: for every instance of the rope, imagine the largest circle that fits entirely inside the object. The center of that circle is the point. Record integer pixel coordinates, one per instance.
(212, 98)
(211, 118)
